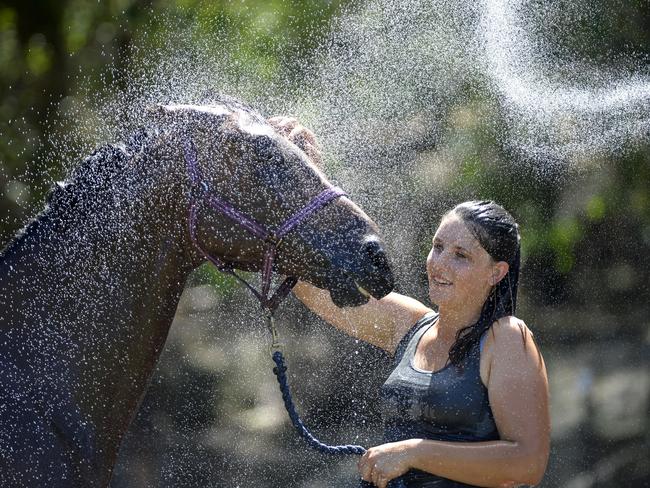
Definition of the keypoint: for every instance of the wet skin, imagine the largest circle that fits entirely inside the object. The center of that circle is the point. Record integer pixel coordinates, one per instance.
(461, 273)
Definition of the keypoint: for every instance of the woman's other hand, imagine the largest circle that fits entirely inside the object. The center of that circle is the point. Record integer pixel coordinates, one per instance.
(383, 463)
(302, 137)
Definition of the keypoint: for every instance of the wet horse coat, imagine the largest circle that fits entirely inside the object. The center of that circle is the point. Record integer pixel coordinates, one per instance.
(89, 288)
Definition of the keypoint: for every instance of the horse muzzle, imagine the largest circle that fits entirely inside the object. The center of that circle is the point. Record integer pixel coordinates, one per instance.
(366, 274)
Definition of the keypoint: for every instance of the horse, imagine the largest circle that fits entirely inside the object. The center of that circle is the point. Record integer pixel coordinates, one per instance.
(89, 288)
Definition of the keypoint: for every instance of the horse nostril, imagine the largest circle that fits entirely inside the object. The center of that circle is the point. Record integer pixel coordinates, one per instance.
(376, 254)
(378, 277)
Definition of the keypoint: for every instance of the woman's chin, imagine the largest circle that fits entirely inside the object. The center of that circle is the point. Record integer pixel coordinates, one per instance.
(439, 296)
(436, 299)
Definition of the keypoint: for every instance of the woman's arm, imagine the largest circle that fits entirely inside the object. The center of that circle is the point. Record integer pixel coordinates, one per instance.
(518, 392)
(380, 322)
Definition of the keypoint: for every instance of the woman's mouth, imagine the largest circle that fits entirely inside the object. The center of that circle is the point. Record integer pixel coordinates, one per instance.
(440, 281)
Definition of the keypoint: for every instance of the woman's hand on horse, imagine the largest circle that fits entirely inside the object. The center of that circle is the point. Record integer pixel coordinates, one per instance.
(302, 137)
(383, 463)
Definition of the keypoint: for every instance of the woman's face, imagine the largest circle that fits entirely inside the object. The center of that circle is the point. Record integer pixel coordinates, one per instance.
(461, 273)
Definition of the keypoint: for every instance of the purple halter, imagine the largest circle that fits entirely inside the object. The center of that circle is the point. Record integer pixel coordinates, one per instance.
(271, 238)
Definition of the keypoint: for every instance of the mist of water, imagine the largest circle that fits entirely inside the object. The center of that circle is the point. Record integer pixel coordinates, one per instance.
(393, 80)
(387, 78)
(398, 90)
(560, 110)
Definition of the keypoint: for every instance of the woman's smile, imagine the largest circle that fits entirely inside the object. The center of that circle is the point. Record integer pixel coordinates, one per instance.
(440, 281)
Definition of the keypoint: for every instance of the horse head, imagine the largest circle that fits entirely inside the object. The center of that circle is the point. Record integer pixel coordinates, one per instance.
(234, 153)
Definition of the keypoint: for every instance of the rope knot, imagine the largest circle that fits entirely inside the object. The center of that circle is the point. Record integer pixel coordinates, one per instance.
(279, 370)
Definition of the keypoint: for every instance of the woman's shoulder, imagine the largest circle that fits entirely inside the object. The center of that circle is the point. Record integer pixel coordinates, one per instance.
(510, 340)
(509, 327)
(505, 334)
(420, 322)
(512, 331)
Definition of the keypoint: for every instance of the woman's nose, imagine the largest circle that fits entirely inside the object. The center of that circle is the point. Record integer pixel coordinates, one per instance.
(430, 260)
(437, 261)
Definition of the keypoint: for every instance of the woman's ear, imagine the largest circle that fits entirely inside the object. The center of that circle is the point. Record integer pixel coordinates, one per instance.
(499, 270)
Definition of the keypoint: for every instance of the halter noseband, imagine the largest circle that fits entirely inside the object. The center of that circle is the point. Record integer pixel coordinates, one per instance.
(271, 238)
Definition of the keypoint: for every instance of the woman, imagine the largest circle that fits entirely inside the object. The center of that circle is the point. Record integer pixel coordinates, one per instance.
(467, 403)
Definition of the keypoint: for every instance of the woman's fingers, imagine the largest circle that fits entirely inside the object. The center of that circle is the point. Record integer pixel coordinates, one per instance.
(369, 471)
(365, 469)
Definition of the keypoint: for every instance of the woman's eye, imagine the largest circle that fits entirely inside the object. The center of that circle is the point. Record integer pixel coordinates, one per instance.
(437, 247)
(461, 255)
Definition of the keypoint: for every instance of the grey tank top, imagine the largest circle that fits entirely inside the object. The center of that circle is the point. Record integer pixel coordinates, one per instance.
(450, 404)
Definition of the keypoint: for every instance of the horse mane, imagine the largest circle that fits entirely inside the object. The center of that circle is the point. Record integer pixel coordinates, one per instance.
(90, 178)
(96, 173)
(95, 176)
(215, 98)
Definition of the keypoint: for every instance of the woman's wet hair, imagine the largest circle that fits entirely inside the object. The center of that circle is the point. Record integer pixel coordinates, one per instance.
(498, 233)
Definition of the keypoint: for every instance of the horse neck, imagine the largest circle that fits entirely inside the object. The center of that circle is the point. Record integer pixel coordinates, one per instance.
(105, 277)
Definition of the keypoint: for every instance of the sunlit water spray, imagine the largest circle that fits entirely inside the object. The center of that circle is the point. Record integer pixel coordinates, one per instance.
(390, 78)
(583, 113)
(396, 80)
(392, 81)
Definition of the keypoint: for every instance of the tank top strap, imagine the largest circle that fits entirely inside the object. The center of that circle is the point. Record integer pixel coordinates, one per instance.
(482, 342)
(473, 357)
(428, 319)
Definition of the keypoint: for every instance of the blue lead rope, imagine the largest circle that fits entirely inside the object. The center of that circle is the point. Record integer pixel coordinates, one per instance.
(280, 372)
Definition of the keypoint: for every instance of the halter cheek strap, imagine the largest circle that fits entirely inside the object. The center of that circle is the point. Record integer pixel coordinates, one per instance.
(200, 191)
